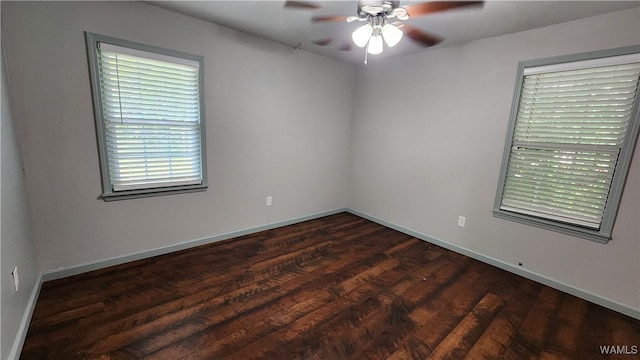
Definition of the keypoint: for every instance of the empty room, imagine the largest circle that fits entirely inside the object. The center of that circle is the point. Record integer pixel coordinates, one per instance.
(320, 180)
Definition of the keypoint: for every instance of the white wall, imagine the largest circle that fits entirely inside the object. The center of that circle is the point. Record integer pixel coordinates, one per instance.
(278, 123)
(16, 242)
(428, 136)
(426, 131)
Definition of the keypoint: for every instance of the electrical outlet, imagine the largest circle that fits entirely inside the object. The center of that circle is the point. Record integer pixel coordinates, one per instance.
(269, 200)
(461, 221)
(16, 280)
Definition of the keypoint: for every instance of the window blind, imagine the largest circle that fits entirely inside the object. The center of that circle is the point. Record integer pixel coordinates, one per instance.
(151, 118)
(570, 127)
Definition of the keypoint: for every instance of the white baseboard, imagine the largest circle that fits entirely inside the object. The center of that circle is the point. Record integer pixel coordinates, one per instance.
(596, 299)
(16, 349)
(79, 269)
(66, 272)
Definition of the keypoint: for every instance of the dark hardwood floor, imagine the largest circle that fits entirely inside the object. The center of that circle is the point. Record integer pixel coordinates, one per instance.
(339, 287)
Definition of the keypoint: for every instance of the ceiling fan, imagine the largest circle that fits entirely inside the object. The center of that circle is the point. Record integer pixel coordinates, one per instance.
(383, 22)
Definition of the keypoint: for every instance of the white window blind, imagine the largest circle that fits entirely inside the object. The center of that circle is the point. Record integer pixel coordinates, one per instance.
(151, 118)
(569, 129)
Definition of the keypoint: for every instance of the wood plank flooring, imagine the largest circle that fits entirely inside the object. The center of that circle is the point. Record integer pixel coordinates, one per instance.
(338, 287)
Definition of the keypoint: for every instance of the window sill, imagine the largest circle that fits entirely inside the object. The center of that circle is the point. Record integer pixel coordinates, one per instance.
(568, 229)
(143, 193)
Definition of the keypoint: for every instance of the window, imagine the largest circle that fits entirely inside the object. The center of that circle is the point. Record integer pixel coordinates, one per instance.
(574, 125)
(148, 112)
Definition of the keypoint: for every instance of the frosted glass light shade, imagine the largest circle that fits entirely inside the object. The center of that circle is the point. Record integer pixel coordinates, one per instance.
(375, 45)
(362, 35)
(391, 35)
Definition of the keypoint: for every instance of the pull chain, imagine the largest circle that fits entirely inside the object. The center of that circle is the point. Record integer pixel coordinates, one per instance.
(366, 54)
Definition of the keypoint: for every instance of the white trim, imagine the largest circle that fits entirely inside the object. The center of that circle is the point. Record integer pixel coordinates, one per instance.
(584, 64)
(75, 270)
(153, 185)
(18, 343)
(21, 335)
(596, 299)
(589, 224)
(147, 55)
(100, 264)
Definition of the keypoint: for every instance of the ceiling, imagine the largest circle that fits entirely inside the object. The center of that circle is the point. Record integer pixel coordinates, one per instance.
(293, 27)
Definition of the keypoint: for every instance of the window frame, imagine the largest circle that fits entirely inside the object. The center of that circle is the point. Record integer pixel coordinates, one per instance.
(604, 233)
(108, 194)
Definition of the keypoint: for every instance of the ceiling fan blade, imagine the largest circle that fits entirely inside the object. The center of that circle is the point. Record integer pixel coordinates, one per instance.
(301, 5)
(322, 42)
(330, 18)
(346, 46)
(416, 10)
(420, 37)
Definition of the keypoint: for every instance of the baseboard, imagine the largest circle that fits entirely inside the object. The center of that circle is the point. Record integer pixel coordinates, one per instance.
(596, 299)
(16, 349)
(65, 272)
(26, 319)
(79, 269)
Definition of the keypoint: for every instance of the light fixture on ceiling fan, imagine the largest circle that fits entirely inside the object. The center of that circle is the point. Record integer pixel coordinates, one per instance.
(379, 28)
(372, 34)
